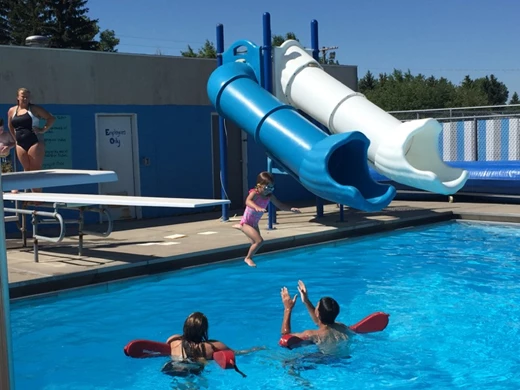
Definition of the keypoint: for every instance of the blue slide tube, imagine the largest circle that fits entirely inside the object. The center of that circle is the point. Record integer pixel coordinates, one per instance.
(332, 167)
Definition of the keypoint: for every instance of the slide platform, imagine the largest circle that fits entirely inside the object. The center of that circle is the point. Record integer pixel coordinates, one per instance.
(332, 167)
(404, 152)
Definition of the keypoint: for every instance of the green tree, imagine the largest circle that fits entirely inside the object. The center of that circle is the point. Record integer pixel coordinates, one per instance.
(367, 83)
(5, 28)
(25, 18)
(514, 99)
(108, 41)
(470, 94)
(65, 23)
(189, 52)
(68, 25)
(277, 40)
(404, 91)
(208, 50)
(496, 91)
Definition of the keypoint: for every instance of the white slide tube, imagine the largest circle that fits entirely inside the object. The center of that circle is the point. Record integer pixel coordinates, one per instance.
(407, 153)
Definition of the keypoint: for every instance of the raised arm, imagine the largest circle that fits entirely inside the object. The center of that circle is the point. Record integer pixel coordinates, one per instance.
(283, 206)
(288, 304)
(306, 301)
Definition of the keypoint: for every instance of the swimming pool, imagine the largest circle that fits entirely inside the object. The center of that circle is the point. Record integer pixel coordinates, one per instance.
(452, 291)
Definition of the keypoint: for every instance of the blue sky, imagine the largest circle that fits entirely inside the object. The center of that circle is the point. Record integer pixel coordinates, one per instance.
(449, 38)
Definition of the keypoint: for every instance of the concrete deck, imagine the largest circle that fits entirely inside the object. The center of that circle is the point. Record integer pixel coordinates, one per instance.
(145, 247)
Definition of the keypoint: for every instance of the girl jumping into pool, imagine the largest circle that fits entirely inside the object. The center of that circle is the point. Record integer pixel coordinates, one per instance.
(256, 204)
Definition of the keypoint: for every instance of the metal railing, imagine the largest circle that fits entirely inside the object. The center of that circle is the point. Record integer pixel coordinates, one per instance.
(483, 133)
(453, 112)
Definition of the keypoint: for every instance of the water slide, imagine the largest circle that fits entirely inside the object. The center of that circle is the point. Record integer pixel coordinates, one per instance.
(333, 167)
(406, 152)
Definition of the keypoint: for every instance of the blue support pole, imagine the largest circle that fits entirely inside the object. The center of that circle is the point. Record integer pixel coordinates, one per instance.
(222, 133)
(267, 78)
(316, 55)
(314, 40)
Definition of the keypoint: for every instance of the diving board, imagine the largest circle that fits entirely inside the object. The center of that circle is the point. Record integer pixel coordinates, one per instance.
(54, 178)
(113, 200)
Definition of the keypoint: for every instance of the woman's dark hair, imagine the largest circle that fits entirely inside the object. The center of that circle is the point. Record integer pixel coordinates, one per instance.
(328, 310)
(194, 335)
(1, 121)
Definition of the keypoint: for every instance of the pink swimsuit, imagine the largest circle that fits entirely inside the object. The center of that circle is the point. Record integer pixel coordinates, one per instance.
(252, 217)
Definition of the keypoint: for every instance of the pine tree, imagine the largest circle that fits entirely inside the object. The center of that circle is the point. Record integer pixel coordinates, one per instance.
(5, 28)
(206, 51)
(108, 41)
(68, 25)
(277, 40)
(367, 83)
(189, 52)
(25, 18)
(514, 99)
(495, 90)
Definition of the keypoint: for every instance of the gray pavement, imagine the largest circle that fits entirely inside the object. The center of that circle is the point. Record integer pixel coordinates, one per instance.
(150, 246)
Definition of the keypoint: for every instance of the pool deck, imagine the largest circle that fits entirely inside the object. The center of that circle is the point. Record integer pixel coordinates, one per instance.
(144, 247)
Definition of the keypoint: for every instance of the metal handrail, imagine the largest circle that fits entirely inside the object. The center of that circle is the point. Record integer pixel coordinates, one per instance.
(35, 222)
(110, 222)
(36, 213)
(62, 222)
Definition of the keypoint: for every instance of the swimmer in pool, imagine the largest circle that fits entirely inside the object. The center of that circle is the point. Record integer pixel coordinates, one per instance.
(323, 315)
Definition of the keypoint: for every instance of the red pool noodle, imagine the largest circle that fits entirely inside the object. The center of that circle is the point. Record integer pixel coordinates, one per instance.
(375, 322)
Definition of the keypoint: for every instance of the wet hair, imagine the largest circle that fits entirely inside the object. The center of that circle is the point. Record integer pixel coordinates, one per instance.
(328, 310)
(264, 178)
(194, 335)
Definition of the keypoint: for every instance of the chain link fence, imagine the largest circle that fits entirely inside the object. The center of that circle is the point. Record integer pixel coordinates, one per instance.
(488, 133)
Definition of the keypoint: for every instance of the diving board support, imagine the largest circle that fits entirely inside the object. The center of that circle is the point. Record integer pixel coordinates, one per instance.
(81, 232)
(35, 221)
(48, 218)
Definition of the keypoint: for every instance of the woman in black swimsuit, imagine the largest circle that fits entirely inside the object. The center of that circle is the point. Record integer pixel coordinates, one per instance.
(23, 121)
(193, 347)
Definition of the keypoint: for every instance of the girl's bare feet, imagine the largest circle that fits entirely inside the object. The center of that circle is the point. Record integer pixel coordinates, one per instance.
(250, 262)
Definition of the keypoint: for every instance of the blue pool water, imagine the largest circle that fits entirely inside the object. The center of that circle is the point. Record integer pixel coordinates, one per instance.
(452, 290)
